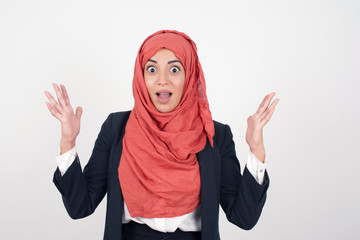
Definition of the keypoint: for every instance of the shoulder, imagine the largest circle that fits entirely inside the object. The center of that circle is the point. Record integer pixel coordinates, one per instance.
(219, 126)
(117, 120)
(222, 134)
(119, 116)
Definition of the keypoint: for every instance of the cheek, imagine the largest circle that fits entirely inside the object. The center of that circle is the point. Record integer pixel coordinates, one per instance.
(180, 84)
(148, 82)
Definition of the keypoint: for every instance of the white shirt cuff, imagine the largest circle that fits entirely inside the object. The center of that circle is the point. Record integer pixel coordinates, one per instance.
(256, 167)
(65, 160)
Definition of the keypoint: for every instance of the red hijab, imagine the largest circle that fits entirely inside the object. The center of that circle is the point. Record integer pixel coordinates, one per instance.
(158, 171)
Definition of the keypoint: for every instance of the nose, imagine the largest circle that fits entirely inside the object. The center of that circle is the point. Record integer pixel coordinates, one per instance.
(162, 78)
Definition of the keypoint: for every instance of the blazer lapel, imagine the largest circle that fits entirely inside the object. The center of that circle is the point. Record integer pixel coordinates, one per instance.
(208, 195)
(116, 201)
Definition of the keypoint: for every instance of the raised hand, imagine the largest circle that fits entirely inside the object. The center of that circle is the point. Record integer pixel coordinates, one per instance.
(256, 122)
(63, 111)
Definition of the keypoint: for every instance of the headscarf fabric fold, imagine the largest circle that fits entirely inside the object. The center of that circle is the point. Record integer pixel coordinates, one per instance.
(158, 171)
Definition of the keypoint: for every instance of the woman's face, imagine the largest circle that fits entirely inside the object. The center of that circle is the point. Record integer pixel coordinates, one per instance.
(164, 78)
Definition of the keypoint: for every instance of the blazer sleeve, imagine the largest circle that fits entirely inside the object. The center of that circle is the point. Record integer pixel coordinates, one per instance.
(241, 196)
(83, 191)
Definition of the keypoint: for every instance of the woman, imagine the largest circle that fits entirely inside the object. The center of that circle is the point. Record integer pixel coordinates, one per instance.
(166, 165)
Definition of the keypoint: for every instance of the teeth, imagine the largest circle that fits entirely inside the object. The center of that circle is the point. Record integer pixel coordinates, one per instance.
(163, 94)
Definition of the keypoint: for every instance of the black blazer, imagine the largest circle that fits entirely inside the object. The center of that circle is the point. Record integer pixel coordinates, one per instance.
(241, 197)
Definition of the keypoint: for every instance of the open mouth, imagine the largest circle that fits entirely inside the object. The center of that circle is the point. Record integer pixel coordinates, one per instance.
(164, 94)
(163, 97)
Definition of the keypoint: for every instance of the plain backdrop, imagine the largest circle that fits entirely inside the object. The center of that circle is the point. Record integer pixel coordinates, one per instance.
(305, 51)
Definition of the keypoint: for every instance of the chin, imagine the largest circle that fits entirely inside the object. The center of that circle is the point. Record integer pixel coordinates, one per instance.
(164, 110)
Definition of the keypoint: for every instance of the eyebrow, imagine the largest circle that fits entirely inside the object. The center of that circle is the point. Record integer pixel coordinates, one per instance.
(169, 62)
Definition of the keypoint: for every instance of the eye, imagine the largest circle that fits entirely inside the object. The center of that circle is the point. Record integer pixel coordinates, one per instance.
(174, 69)
(151, 69)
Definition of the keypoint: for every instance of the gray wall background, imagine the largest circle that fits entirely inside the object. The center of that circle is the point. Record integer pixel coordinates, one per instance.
(306, 51)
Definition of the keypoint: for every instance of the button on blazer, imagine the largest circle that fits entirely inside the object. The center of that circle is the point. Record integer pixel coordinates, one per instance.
(240, 196)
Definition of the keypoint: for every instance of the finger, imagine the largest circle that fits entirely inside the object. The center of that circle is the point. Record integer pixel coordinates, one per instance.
(273, 105)
(53, 102)
(78, 112)
(269, 113)
(261, 104)
(59, 95)
(66, 96)
(52, 111)
(267, 117)
(265, 103)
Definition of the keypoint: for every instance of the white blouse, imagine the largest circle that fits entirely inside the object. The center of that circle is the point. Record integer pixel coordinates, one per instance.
(188, 222)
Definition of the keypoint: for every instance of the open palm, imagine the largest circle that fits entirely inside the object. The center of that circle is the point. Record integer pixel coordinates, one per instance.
(63, 111)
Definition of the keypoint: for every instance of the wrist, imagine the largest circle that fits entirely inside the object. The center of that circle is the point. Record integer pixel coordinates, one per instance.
(259, 153)
(66, 145)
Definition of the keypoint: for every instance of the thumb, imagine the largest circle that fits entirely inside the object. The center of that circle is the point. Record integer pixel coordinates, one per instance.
(78, 112)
